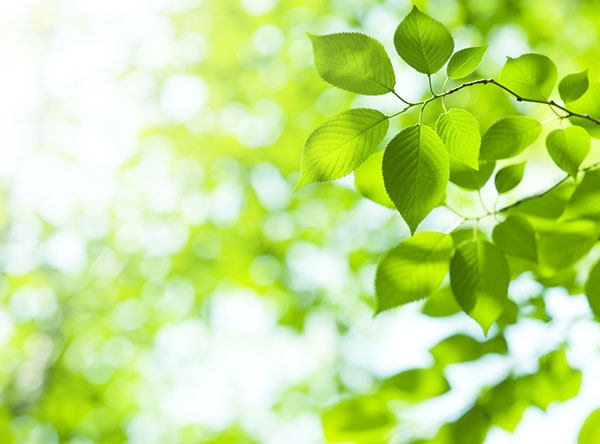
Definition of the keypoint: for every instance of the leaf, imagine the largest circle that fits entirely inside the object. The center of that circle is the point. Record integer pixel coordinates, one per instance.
(466, 177)
(368, 180)
(508, 137)
(592, 289)
(415, 385)
(465, 61)
(585, 201)
(463, 348)
(590, 432)
(459, 131)
(509, 177)
(440, 304)
(516, 237)
(550, 204)
(422, 42)
(479, 279)
(359, 420)
(573, 86)
(589, 104)
(354, 62)
(568, 148)
(413, 270)
(341, 144)
(415, 173)
(531, 76)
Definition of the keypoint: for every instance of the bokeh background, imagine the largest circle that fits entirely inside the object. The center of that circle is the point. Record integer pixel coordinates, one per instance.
(160, 281)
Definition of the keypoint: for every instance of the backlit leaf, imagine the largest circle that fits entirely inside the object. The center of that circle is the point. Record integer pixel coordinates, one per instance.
(590, 432)
(585, 201)
(465, 61)
(573, 86)
(592, 289)
(509, 177)
(589, 104)
(531, 76)
(341, 144)
(368, 180)
(415, 172)
(469, 178)
(459, 131)
(422, 42)
(354, 62)
(516, 237)
(508, 137)
(568, 148)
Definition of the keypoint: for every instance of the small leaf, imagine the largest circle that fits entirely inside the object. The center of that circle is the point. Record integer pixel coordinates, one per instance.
(354, 62)
(531, 76)
(466, 177)
(341, 144)
(479, 279)
(585, 201)
(568, 148)
(508, 137)
(422, 42)
(509, 177)
(592, 289)
(368, 180)
(465, 61)
(516, 237)
(415, 173)
(415, 385)
(413, 270)
(459, 131)
(549, 205)
(588, 104)
(573, 86)
(590, 432)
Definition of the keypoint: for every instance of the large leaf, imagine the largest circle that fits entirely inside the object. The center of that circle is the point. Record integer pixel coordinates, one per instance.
(568, 148)
(465, 61)
(589, 104)
(368, 180)
(509, 177)
(585, 201)
(413, 270)
(469, 178)
(508, 137)
(415, 172)
(592, 289)
(422, 42)
(573, 86)
(516, 237)
(590, 432)
(341, 144)
(531, 76)
(354, 62)
(479, 278)
(459, 131)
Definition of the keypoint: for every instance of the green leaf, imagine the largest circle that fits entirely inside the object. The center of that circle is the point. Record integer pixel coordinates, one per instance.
(360, 420)
(415, 172)
(592, 289)
(585, 201)
(590, 432)
(531, 76)
(463, 348)
(459, 131)
(341, 144)
(415, 385)
(568, 148)
(516, 237)
(465, 61)
(549, 205)
(573, 86)
(589, 104)
(368, 180)
(508, 137)
(413, 270)
(479, 278)
(471, 179)
(354, 62)
(440, 304)
(509, 177)
(422, 42)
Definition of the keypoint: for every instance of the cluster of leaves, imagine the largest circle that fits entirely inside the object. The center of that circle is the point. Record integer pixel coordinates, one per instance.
(546, 234)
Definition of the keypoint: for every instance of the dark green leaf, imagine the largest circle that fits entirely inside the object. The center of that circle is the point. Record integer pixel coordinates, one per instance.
(413, 270)
(509, 137)
(585, 201)
(568, 148)
(509, 177)
(415, 172)
(341, 144)
(423, 43)
(531, 76)
(459, 131)
(354, 62)
(465, 61)
(573, 86)
(516, 237)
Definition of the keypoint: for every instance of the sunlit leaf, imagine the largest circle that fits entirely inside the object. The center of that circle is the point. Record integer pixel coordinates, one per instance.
(354, 62)
(568, 148)
(465, 61)
(550, 204)
(588, 104)
(573, 86)
(459, 131)
(509, 137)
(508, 177)
(515, 236)
(415, 385)
(463, 348)
(368, 180)
(341, 144)
(416, 172)
(531, 76)
(422, 42)
(585, 201)
(413, 270)
(471, 179)
(592, 289)
(590, 432)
